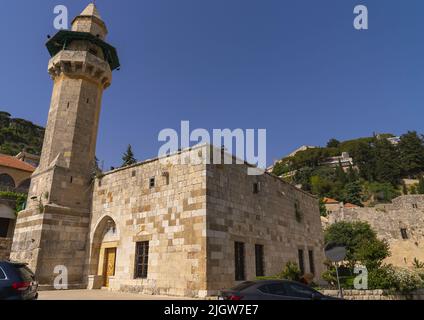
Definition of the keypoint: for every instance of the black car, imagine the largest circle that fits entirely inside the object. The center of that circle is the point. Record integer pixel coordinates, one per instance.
(272, 290)
(17, 282)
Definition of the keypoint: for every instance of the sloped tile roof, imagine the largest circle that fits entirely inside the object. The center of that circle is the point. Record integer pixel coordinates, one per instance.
(12, 162)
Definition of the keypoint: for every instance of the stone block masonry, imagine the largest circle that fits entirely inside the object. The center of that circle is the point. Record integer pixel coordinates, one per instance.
(401, 223)
(375, 295)
(191, 216)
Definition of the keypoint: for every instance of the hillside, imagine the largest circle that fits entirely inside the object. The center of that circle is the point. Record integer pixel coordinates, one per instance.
(19, 134)
(372, 171)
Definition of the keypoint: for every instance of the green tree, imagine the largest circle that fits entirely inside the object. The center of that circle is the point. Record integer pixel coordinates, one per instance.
(380, 192)
(364, 155)
(322, 208)
(361, 242)
(353, 193)
(411, 152)
(128, 157)
(372, 252)
(387, 162)
(333, 143)
(352, 174)
(340, 174)
(413, 189)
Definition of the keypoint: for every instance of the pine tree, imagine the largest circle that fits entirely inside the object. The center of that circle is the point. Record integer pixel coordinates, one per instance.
(128, 157)
(387, 168)
(353, 193)
(333, 143)
(352, 174)
(411, 149)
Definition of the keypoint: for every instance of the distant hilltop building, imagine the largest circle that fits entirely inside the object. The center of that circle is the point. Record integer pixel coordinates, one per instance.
(159, 226)
(345, 161)
(394, 140)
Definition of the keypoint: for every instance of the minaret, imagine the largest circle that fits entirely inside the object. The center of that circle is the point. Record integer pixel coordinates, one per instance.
(53, 230)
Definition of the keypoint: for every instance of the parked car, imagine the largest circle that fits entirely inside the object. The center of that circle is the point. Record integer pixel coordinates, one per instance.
(17, 282)
(272, 290)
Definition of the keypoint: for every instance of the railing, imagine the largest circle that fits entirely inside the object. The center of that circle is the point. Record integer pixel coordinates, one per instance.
(10, 189)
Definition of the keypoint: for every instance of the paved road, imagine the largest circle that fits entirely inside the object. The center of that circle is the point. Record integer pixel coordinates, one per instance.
(98, 295)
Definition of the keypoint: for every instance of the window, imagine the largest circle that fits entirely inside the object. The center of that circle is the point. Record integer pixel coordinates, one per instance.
(297, 211)
(256, 187)
(152, 183)
(4, 227)
(301, 261)
(277, 289)
(134, 173)
(166, 176)
(2, 274)
(7, 181)
(239, 261)
(141, 260)
(311, 261)
(259, 259)
(404, 234)
(301, 291)
(415, 206)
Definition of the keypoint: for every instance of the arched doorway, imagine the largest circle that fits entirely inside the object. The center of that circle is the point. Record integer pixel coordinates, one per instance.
(104, 246)
(6, 181)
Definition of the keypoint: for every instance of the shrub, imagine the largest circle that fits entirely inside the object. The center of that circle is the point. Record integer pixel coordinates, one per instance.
(291, 272)
(395, 279)
(19, 198)
(407, 280)
(346, 277)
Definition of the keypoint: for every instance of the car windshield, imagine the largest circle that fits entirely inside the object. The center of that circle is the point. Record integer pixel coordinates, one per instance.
(243, 286)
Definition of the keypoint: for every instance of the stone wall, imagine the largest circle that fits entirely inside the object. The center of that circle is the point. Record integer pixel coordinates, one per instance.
(405, 212)
(375, 295)
(267, 218)
(171, 216)
(191, 218)
(5, 246)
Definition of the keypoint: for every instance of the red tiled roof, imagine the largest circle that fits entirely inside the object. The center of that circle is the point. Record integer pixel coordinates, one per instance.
(12, 162)
(329, 200)
(350, 205)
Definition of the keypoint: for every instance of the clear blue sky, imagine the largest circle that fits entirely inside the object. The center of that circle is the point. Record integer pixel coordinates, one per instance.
(296, 68)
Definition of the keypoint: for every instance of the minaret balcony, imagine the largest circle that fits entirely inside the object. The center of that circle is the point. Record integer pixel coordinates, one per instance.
(80, 64)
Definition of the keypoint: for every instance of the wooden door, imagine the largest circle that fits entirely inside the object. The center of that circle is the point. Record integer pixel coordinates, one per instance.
(109, 265)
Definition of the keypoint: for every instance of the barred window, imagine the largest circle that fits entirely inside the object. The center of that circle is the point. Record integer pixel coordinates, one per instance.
(259, 258)
(141, 260)
(301, 261)
(239, 261)
(404, 234)
(311, 262)
(152, 183)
